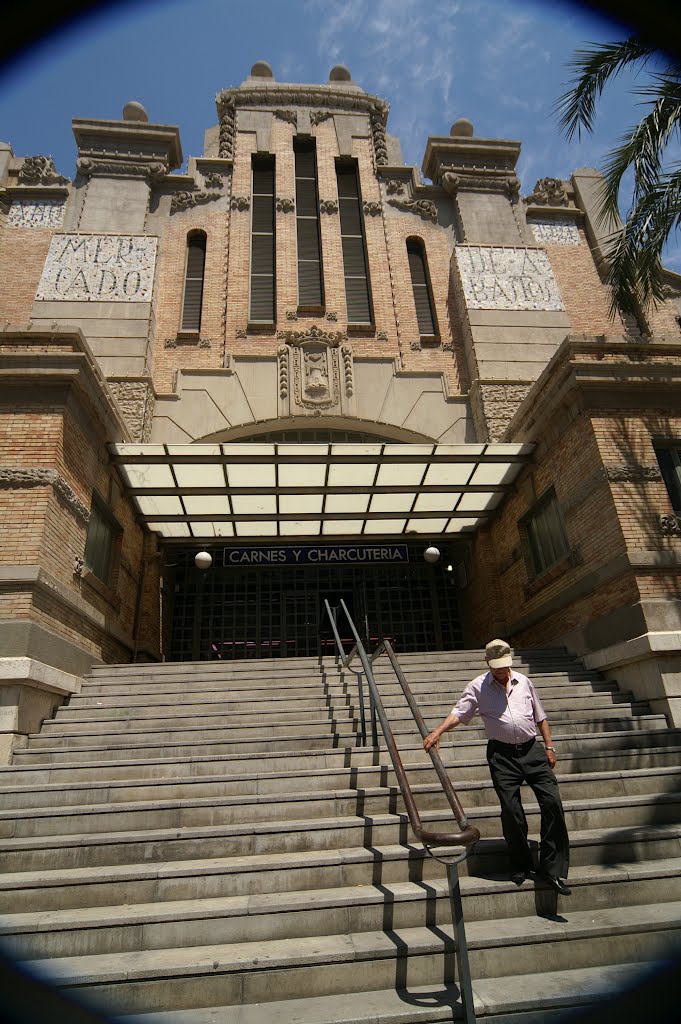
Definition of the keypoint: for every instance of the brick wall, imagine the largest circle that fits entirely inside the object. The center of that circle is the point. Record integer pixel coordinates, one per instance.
(22, 256)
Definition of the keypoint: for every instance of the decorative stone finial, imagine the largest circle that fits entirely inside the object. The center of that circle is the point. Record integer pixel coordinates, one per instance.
(339, 73)
(134, 111)
(261, 69)
(462, 127)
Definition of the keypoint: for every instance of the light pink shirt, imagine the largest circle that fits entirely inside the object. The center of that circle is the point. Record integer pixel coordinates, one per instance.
(510, 715)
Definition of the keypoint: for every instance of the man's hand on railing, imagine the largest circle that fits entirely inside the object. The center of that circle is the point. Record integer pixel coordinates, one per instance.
(432, 740)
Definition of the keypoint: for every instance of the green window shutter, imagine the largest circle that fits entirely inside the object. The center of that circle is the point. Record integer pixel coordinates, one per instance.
(263, 254)
(310, 278)
(193, 282)
(355, 263)
(423, 299)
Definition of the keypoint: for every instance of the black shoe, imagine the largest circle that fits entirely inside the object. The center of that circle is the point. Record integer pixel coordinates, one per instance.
(557, 884)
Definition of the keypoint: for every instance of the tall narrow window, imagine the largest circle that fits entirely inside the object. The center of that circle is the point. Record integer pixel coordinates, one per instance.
(669, 457)
(545, 533)
(357, 291)
(262, 241)
(423, 299)
(310, 287)
(193, 281)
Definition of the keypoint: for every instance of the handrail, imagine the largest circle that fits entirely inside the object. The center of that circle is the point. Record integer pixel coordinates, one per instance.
(468, 834)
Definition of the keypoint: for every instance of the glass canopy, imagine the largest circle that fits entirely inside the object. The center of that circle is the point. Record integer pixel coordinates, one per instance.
(311, 490)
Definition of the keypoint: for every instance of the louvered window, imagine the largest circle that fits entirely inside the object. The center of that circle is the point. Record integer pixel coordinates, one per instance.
(423, 300)
(193, 281)
(310, 287)
(357, 291)
(545, 533)
(103, 533)
(262, 241)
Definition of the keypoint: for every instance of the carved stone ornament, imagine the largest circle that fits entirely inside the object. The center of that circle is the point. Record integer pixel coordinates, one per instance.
(379, 139)
(291, 314)
(213, 179)
(286, 205)
(317, 116)
(394, 187)
(423, 207)
(151, 171)
(548, 192)
(507, 184)
(78, 566)
(316, 367)
(240, 203)
(170, 343)
(242, 333)
(135, 399)
(448, 347)
(333, 317)
(670, 524)
(381, 336)
(282, 362)
(287, 115)
(632, 473)
(310, 96)
(415, 346)
(180, 342)
(372, 209)
(348, 379)
(328, 206)
(15, 478)
(185, 200)
(40, 170)
(205, 343)
(227, 129)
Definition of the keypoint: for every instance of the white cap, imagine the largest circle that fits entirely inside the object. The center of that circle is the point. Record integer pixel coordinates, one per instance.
(498, 654)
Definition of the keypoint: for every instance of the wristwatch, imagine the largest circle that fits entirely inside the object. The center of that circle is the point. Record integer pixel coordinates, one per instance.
(551, 748)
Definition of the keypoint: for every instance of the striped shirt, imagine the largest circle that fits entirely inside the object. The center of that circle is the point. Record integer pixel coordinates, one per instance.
(509, 714)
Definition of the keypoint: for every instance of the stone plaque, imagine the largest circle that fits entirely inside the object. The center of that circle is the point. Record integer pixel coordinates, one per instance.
(557, 231)
(506, 278)
(36, 213)
(99, 268)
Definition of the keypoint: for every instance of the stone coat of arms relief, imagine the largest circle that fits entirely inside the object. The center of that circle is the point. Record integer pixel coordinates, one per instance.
(318, 365)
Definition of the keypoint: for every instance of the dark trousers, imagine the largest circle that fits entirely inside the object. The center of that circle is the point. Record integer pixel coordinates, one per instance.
(510, 767)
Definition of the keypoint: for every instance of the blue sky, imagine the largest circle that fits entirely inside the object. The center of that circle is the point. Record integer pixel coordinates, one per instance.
(500, 63)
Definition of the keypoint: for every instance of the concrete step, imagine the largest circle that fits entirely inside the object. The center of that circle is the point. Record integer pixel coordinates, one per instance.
(427, 676)
(160, 880)
(139, 730)
(238, 801)
(121, 720)
(237, 973)
(329, 911)
(61, 751)
(636, 749)
(177, 786)
(524, 999)
(186, 839)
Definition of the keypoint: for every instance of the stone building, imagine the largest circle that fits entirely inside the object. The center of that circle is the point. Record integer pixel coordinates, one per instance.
(304, 360)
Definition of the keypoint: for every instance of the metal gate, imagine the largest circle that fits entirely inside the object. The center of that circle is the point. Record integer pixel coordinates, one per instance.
(277, 611)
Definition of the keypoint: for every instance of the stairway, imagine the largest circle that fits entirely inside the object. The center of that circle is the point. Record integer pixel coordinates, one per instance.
(207, 843)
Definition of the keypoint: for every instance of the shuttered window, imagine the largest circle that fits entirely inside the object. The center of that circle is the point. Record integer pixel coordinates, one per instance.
(193, 281)
(423, 300)
(545, 533)
(355, 267)
(100, 544)
(262, 241)
(310, 286)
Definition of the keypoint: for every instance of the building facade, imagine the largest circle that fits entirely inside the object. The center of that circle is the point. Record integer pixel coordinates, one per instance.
(304, 360)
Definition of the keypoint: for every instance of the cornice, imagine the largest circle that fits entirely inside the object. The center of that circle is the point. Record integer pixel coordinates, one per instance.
(16, 477)
(322, 98)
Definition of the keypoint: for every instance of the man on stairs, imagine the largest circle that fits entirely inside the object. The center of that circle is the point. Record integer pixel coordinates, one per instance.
(511, 711)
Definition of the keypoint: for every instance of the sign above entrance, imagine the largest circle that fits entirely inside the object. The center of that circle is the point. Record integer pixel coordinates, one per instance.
(327, 554)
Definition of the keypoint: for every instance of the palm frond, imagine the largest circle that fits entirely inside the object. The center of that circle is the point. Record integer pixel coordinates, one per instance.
(642, 149)
(592, 68)
(633, 259)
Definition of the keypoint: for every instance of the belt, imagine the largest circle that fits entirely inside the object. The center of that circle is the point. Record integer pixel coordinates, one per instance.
(512, 748)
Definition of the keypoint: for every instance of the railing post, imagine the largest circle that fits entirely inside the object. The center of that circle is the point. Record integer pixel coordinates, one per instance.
(463, 966)
(363, 723)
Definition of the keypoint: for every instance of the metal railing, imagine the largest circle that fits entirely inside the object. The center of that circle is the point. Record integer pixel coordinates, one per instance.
(468, 834)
